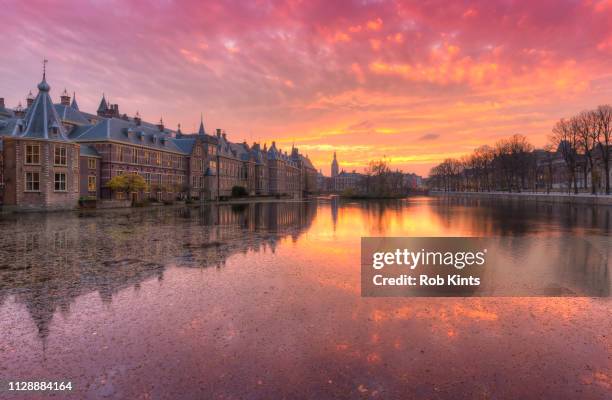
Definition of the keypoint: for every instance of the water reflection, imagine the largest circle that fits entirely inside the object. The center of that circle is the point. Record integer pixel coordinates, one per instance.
(262, 301)
(48, 260)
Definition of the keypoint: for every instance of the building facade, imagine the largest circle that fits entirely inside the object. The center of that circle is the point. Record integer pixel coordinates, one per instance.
(53, 154)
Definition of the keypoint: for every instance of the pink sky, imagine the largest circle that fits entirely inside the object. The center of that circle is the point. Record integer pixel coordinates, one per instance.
(410, 81)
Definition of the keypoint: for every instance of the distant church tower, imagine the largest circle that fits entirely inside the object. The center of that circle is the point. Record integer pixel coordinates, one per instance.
(334, 167)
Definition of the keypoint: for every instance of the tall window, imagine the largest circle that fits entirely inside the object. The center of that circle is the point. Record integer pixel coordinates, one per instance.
(60, 155)
(60, 182)
(135, 155)
(32, 155)
(91, 183)
(91, 163)
(32, 180)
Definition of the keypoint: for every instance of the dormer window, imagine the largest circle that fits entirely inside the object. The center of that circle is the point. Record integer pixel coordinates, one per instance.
(54, 129)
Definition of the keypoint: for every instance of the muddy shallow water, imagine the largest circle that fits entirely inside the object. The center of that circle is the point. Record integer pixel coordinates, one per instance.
(262, 301)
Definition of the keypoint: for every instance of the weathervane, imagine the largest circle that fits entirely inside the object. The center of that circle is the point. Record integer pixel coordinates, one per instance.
(45, 61)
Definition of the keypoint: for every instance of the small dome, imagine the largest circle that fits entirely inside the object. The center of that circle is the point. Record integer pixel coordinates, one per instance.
(44, 86)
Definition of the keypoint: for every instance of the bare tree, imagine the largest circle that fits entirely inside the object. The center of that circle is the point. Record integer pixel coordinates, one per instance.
(565, 137)
(586, 123)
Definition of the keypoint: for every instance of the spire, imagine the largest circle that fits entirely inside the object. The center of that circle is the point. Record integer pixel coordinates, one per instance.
(334, 166)
(74, 102)
(103, 107)
(201, 131)
(42, 120)
(43, 86)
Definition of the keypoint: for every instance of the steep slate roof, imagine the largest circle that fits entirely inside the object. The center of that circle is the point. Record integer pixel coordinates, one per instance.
(74, 102)
(185, 144)
(201, 131)
(88, 151)
(103, 106)
(240, 150)
(71, 114)
(128, 132)
(306, 161)
(273, 153)
(7, 126)
(5, 112)
(42, 117)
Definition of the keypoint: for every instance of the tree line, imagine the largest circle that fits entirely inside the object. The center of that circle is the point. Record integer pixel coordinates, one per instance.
(581, 142)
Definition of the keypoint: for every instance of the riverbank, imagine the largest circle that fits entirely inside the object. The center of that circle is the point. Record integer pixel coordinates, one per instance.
(581, 198)
(125, 205)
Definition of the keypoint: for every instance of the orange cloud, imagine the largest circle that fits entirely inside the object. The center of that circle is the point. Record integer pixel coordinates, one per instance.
(374, 25)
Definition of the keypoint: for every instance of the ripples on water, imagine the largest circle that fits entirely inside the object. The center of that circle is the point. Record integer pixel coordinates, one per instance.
(262, 300)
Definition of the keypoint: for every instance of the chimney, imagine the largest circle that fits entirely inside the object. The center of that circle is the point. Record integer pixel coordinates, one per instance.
(29, 99)
(224, 137)
(137, 119)
(1, 102)
(218, 132)
(19, 111)
(65, 99)
(160, 126)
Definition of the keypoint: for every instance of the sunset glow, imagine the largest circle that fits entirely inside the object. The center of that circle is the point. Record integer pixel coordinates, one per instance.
(408, 81)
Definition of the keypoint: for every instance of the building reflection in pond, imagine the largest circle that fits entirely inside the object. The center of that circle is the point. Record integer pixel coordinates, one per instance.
(49, 260)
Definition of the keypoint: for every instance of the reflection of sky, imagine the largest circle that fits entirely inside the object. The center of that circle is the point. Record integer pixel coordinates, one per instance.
(413, 81)
(291, 322)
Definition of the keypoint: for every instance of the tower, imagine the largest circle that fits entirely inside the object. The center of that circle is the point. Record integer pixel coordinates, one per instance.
(334, 167)
(201, 131)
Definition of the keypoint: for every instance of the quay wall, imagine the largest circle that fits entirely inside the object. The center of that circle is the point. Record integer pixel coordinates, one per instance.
(581, 198)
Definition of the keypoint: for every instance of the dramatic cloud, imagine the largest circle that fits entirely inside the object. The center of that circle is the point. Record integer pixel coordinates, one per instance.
(365, 78)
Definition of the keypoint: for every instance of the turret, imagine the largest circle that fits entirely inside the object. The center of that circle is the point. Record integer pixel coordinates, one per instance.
(74, 102)
(103, 107)
(201, 131)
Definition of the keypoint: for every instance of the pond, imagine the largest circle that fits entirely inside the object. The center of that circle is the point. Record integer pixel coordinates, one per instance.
(262, 300)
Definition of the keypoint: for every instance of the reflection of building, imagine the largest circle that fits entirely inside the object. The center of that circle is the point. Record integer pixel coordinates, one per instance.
(52, 154)
(53, 259)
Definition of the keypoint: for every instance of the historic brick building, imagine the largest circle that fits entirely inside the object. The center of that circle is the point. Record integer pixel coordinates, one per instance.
(53, 154)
